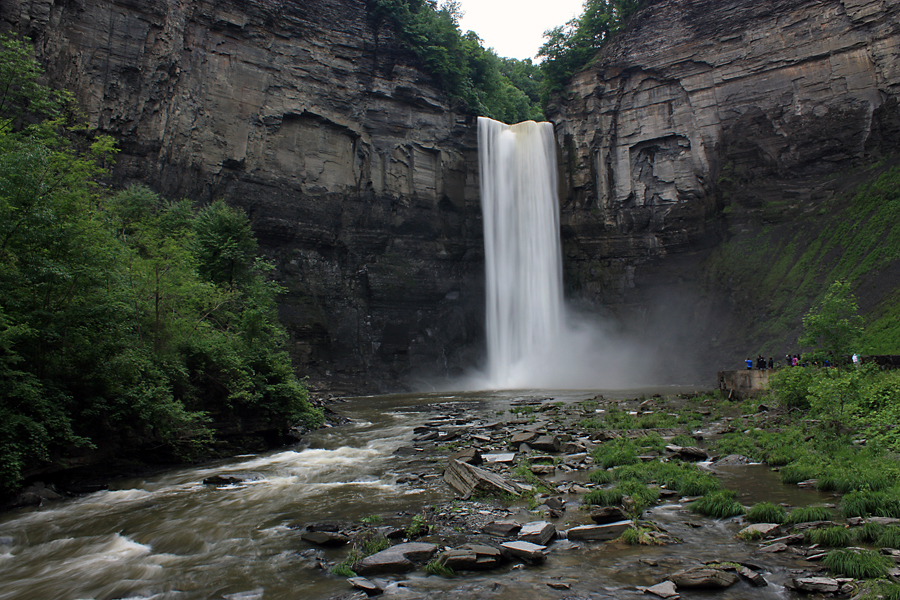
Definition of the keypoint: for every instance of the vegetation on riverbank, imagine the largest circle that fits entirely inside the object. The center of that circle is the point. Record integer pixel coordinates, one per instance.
(126, 320)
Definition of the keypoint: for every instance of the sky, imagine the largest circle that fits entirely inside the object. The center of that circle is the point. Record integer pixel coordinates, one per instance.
(515, 28)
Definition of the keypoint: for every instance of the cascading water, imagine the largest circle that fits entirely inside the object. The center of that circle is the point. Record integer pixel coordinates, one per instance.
(525, 312)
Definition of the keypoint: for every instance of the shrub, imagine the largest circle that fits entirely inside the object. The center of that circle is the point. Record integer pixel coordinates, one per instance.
(719, 505)
(808, 514)
(791, 386)
(856, 563)
(766, 512)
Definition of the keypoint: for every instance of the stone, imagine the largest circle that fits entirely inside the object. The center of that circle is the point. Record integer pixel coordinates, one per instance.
(396, 559)
(501, 528)
(545, 443)
(469, 455)
(502, 458)
(526, 550)
(369, 587)
(752, 577)
(764, 528)
(816, 585)
(325, 538)
(543, 469)
(774, 548)
(666, 589)
(224, 480)
(537, 532)
(471, 557)
(608, 514)
(465, 479)
(523, 437)
(704, 578)
(559, 585)
(608, 531)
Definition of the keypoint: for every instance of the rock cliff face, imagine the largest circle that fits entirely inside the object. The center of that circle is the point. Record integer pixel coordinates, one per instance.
(703, 110)
(357, 174)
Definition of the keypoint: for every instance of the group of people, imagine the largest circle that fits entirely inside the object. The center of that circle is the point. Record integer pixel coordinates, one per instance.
(791, 360)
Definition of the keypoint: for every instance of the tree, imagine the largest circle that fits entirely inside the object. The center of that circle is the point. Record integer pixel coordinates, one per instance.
(833, 328)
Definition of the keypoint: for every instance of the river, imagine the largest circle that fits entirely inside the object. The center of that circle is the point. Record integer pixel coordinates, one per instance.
(169, 536)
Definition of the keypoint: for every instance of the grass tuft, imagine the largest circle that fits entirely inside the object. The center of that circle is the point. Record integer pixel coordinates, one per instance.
(868, 533)
(889, 538)
(766, 512)
(719, 505)
(808, 514)
(436, 568)
(857, 563)
(832, 537)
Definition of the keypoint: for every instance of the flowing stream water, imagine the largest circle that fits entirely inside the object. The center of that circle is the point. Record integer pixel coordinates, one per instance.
(171, 537)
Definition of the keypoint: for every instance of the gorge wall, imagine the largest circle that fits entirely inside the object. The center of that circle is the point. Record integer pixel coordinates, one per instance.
(698, 121)
(360, 177)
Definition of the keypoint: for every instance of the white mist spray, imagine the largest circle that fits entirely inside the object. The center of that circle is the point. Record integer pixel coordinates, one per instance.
(525, 313)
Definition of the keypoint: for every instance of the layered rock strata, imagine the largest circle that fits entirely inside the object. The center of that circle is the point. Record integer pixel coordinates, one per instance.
(702, 108)
(357, 174)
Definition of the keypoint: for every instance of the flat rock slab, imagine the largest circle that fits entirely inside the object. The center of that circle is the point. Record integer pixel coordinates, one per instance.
(773, 548)
(369, 587)
(666, 589)
(469, 455)
(505, 457)
(465, 479)
(704, 578)
(471, 557)
(526, 550)
(753, 578)
(502, 528)
(523, 437)
(545, 443)
(538, 532)
(607, 531)
(396, 559)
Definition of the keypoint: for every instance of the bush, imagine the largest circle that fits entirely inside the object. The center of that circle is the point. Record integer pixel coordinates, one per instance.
(791, 386)
(766, 512)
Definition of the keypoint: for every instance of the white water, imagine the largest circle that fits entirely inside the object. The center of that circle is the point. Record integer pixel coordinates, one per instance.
(525, 313)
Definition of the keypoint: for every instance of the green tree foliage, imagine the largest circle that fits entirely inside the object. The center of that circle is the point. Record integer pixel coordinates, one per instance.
(124, 320)
(569, 48)
(834, 327)
(500, 88)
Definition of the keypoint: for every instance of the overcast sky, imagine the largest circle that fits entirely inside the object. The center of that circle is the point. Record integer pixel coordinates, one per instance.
(514, 28)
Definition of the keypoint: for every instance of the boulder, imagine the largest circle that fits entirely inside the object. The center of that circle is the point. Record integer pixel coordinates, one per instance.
(545, 443)
(371, 588)
(471, 557)
(543, 469)
(526, 550)
(608, 514)
(764, 528)
(607, 531)
(538, 532)
(469, 456)
(396, 559)
(704, 578)
(773, 548)
(753, 578)
(465, 479)
(815, 585)
(523, 437)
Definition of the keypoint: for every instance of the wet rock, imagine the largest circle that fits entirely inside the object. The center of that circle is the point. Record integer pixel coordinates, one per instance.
(502, 528)
(763, 528)
(538, 532)
(704, 578)
(608, 531)
(572, 448)
(815, 585)
(523, 437)
(608, 514)
(325, 538)
(471, 557)
(543, 469)
(733, 460)
(559, 585)
(555, 502)
(324, 526)
(546, 443)
(774, 548)
(406, 451)
(371, 588)
(223, 480)
(688, 453)
(26, 499)
(526, 550)
(666, 589)
(753, 578)
(503, 458)
(396, 559)
(312, 559)
(465, 479)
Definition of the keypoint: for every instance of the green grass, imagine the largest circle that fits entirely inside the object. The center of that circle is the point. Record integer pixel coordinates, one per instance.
(766, 512)
(882, 590)
(868, 533)
(889, 538)
(719, 505)
(641, 495)
(832, 537)
(343, 570)
(871, 503)
(602, 476)
(639, 536)
(620, 451)
(859, 564)
(808, 514)
(436, 568)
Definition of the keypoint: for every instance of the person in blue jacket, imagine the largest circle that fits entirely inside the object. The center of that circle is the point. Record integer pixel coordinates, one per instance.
(749, 362)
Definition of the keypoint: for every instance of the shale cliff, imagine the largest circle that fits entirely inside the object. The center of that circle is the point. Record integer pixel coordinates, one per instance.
(703, 118)
(358, 176)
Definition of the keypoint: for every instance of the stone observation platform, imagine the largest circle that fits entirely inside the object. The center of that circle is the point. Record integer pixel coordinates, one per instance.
(744, 383)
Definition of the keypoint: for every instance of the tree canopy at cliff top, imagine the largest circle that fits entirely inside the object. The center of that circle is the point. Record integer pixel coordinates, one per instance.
(505, 89)
(126, 321)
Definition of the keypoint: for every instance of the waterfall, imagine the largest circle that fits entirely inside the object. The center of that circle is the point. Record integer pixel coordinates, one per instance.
(523, 263)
